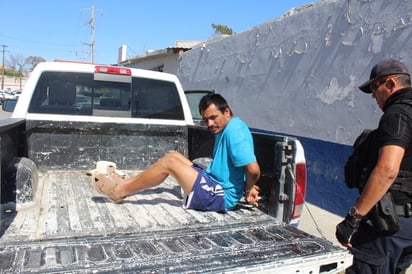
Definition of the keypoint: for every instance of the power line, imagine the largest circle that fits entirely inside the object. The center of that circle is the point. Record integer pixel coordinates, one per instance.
(92, 24)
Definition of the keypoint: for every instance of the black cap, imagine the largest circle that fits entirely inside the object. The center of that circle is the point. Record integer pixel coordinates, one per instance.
(382, 69)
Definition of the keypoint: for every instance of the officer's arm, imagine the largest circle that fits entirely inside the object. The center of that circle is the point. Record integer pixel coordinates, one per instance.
(381, 178)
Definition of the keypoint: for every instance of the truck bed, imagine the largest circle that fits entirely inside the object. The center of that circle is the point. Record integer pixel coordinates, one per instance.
(69, 227)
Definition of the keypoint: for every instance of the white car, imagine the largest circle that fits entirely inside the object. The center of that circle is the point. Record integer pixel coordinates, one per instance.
(16, 93)
(9, 95)
(4, 95)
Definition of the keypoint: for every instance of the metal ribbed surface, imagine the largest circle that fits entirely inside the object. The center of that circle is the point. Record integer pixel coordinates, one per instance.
(73, 229)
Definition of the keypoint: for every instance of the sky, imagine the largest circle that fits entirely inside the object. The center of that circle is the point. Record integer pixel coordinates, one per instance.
(61, 29)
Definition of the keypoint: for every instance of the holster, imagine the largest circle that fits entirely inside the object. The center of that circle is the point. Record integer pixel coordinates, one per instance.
(383, 215)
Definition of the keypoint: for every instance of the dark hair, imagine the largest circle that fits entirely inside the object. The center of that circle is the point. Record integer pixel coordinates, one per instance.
(216, 99)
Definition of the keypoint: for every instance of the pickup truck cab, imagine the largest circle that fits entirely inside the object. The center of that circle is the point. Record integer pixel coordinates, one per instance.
(71, 115)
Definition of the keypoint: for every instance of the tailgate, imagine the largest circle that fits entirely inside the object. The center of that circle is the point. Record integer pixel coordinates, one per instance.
(259, 247)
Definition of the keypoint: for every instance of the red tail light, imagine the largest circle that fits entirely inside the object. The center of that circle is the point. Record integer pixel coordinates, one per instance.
(113, 70)
(300, 190)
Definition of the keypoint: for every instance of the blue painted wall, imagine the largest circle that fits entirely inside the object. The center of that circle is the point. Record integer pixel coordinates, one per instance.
(325, 165)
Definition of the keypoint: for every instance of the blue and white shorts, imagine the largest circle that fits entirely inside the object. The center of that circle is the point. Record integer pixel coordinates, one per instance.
(206, 194)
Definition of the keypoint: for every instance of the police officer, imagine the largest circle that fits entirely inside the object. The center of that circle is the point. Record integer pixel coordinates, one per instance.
(377, 250)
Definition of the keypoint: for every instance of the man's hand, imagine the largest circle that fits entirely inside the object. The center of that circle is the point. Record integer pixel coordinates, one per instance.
(346, 229)
(252, 195)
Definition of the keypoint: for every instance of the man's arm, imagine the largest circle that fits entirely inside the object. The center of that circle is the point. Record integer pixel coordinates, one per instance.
(251, 189)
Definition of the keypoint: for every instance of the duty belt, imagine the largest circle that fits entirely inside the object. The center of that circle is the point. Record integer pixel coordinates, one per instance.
(404, 210)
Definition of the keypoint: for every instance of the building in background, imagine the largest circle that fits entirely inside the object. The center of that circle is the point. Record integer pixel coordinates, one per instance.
(14, 82)
(164, 60)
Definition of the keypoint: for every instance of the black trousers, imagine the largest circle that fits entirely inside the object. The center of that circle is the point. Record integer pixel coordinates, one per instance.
(379, 253)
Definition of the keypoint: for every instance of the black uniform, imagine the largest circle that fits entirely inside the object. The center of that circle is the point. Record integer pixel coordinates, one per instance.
(379, 252)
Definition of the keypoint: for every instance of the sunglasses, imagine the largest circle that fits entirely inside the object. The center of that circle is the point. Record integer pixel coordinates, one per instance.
(376, 85)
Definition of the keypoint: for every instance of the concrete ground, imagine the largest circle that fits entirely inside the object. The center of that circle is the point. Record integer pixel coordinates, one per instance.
(319, 222)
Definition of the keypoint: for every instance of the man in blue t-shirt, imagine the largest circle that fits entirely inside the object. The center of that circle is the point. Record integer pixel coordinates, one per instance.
(232, 173)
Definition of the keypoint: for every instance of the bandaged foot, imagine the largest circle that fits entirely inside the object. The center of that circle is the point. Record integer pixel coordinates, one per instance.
(106, 185)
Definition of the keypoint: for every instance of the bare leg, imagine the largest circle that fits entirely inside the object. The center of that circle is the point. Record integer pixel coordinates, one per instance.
(173, 164)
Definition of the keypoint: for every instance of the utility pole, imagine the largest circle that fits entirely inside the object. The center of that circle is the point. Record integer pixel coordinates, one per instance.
(2, 73)
(92, 24)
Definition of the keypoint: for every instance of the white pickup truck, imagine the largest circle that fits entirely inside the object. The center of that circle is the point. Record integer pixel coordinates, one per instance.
(71, 115)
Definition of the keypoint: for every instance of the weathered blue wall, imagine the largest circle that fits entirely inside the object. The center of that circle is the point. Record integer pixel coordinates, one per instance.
(299, 74)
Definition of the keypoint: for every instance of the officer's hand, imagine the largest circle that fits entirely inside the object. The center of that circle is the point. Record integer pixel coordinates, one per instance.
(346, 229)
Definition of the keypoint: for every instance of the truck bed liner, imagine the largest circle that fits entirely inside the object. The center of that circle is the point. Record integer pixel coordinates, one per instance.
(70, 227)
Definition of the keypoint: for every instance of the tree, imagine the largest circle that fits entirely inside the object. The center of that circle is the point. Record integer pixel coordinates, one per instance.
(21, 64)
(17, 62)
(33, 61)
(221, 29)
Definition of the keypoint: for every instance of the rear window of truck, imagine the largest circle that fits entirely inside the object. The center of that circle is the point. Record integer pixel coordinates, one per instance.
(80, 94)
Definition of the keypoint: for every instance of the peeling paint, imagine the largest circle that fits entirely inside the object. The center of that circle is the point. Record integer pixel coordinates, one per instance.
(335, 92)
(327, 48)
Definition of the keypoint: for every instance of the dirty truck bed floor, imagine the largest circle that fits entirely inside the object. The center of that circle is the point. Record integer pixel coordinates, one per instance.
(70, 226)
